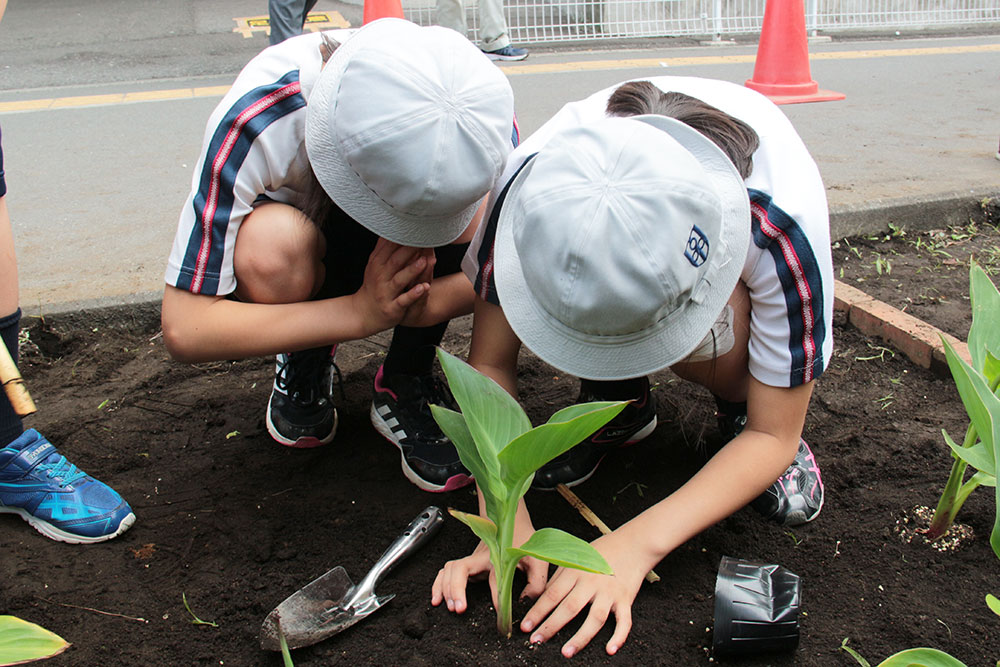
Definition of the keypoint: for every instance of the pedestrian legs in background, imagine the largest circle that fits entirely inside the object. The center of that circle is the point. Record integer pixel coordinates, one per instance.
(494, 41)
(287, 18)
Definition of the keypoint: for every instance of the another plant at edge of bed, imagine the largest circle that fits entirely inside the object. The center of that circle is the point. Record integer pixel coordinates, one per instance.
(977, 386)
(496, 442)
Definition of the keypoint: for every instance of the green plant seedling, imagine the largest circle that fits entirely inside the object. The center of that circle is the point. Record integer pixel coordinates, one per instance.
(993, 603)
(21, 641)
(913, 657)
(496, 442)
(286, 656)
(977, 387)
(195, 620)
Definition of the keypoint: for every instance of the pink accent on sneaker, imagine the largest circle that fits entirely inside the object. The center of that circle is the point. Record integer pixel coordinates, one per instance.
(304, 443)
(380, 387)
(457, 482)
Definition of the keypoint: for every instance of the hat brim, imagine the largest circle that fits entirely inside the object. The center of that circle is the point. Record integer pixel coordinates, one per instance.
(661, 345)
(343, 185)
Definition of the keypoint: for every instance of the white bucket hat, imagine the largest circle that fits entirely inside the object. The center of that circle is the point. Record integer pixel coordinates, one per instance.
(408, 128)
(619, 244)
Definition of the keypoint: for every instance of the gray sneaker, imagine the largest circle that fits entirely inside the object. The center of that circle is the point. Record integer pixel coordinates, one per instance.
(507, 53)
(797, 496)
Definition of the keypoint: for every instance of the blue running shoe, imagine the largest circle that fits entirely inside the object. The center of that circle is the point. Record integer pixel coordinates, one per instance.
(61, 501)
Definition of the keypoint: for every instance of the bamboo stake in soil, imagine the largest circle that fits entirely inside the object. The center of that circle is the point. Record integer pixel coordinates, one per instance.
(594, 520)
(13, 384)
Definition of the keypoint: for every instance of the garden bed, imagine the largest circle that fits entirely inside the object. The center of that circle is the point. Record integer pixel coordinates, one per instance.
(236, 522)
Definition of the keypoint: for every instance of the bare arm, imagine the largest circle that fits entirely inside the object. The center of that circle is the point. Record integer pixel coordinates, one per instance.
(495, 346)
(734, 477)
(203, 328)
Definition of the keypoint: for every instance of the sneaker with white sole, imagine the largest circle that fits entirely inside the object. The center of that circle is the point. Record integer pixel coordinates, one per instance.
(58, 499)
(300, 412)
(575, 466)
(401, 413)
(797, 496)
(508, 53)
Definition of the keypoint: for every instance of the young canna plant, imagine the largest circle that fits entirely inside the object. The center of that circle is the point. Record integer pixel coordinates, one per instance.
(21, 641)
(497, 444)
(977, 386)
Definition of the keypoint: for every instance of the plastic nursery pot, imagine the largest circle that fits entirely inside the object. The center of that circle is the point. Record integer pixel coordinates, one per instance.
(756, 608)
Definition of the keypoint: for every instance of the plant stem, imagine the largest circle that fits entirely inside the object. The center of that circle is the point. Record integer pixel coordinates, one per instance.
(505, 570)
(955, 493)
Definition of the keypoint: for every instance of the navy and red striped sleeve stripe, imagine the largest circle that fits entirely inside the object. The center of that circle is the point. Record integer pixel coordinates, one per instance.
(485, 284)
(228, 148)
(801, 282)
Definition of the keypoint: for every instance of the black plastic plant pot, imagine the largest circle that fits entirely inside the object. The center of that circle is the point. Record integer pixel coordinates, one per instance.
(756, 608)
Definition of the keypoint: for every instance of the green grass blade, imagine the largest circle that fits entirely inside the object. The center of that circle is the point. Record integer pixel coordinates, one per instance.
(530, 451)
(854, 654)
(562, 549)
(21, 641)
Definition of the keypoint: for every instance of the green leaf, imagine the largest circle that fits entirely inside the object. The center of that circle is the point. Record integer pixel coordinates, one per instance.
(21, 641)
(484, 529)
(976, 456)
(493, 417)
(991, 367)
(993, 603)
(984, 335)
(983, 479)
(562, 549)
(982, 406)
(578, 409)
(533, 449)
(921, 657)
(454, 426)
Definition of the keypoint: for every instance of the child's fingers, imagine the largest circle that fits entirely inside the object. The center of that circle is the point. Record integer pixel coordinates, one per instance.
(410, 274)
(538, 575)
(623, 625)
(449, 586)
(412, 295)
(595, 620)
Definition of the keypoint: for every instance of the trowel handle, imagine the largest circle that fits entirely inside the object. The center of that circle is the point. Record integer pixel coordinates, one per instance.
(419, 531)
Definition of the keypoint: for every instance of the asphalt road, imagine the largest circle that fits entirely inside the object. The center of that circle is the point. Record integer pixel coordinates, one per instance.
(103, 106)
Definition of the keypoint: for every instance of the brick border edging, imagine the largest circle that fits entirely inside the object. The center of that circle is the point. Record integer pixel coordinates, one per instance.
(919, 341)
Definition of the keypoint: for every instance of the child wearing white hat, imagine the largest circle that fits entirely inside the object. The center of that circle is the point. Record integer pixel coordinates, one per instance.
(675, 222)
(337, 176)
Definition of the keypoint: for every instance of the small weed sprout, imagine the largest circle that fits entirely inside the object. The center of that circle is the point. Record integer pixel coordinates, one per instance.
(194, 619)
(496, 443)
(977, 387)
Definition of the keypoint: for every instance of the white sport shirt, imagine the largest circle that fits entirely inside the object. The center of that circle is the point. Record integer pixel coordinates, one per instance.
(788, 268)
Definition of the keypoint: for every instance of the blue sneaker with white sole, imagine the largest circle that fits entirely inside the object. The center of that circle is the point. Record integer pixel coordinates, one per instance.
(58, 499)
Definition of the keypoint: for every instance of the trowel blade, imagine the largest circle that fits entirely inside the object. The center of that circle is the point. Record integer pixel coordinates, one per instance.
(302, 616)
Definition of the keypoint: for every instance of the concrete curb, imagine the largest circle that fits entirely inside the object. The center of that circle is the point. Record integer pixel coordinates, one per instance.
(919, 341)
(922, 213)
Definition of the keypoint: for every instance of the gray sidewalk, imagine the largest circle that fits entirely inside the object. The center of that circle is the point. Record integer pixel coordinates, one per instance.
(94, 191)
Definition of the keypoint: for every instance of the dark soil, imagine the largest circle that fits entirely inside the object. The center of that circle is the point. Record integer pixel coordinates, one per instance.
(236, 522)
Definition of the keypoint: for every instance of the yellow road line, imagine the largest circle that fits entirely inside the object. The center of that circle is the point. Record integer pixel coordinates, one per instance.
(639, 63)
(510, 70)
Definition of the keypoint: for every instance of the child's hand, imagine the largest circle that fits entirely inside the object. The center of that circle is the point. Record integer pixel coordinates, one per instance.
(451, 580)
(415, 312)
(393, 282)
(570, 591)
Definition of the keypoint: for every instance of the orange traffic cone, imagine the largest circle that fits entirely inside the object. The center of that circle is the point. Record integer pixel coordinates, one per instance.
(380, 9)
(781, 70)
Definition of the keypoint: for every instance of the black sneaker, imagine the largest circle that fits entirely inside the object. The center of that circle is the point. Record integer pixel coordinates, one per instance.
(507, 53)
(575, 466)
(796, 497)
(300, 412)
(401, 413)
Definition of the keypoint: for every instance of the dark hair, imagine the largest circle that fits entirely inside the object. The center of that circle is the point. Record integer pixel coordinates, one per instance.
(316, 204)
(736, 139)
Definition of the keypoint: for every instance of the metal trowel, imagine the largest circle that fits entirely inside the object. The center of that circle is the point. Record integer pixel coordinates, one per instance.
(332, 603)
